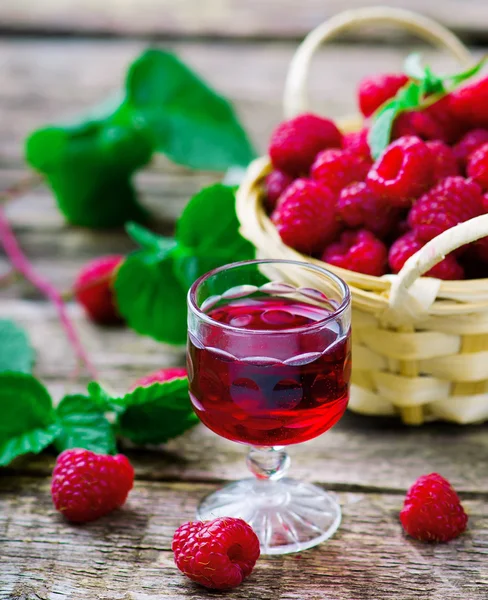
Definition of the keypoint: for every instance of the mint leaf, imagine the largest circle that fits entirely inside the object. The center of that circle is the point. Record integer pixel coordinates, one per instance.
(380, 132)
(150, 297)
(84, 425)
(149, 240)
(413, 67)
(458, 78)
(28, 422)
(156, 413)
(16, 353)
(191, 123)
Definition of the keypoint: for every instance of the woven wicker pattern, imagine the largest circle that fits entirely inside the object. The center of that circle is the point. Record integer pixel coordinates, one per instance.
(420, 345)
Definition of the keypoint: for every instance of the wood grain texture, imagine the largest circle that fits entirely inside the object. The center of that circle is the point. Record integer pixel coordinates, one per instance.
(225, 18)
(126, 555)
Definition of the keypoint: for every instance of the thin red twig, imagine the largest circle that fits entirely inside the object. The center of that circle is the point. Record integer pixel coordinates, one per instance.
(22, 265)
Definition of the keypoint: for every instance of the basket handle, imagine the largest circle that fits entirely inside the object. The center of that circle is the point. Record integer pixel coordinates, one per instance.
(295, 99)
(400, 302)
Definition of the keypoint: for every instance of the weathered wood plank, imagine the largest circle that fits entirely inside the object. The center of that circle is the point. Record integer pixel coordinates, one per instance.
(126, 555)
(226, 18)
(50, 80)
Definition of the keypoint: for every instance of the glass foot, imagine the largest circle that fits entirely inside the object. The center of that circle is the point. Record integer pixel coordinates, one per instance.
(287, 515)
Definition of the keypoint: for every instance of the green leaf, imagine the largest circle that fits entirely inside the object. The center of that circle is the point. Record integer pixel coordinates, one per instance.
(151, 298)
(84, 425)
(413, 66)
(409, 96)
(458, 78)
(16, 353)
(156, 413)
(28, 421)
(192, 124)
(380, 132)
(149, 240)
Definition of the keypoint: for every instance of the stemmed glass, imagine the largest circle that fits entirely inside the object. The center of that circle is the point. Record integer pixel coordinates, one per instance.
(269, 365)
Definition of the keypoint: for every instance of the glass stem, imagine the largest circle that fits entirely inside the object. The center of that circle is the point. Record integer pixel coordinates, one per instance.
(268, 463)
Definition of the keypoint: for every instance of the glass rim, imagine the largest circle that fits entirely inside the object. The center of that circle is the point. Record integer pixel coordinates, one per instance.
(195, 309)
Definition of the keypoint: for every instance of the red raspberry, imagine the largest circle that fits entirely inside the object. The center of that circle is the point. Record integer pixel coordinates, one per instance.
(93, 289)
(337, 168)
(295, 143)
(357, 143)
(218, 554)
(407, 245)
(469, 104)
(468, 144)
(403, 172)
(417, 123)
(445, 163)
(276, 183)
(432, 511)
(441, 112)
(86, 486)
(358, 206)
(306, 216)
(452, 201)
(358, 251)
(160, 376)
(376, 90)
(478, 166)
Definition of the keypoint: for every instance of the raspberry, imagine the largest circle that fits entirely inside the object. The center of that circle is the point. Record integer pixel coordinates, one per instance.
(468, 144)
(478, 166)
(417, 123)
(376, 90)
(358, 251)
(160, 376)
(407, 245)
(276, 183)
(93, 289)
(403, 172)
(441, 112)
(358, 206)
(295, 143)
(306, 216)
(357, 143)
(445, 163)
(469, 104)
(432, 511)
(217, 554)
(452, 201)
(337, 168)
(86, 486)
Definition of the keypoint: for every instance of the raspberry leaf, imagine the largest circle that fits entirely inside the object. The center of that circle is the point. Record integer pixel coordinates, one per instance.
(191, 123)
(28, 421)
(84, 425)
(16, 353)
(152, 414)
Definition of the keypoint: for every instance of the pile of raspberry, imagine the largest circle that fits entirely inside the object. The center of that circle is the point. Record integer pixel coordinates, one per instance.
(329, 199)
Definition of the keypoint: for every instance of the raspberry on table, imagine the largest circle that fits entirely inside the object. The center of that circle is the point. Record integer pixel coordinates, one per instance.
(93, 289)
(469, 104)
(470, 142)
(356, 142)
(295, 143)
(418, 123)
(359, 206)
(359, 251)
(375, 90)
(160, 376)
(445, 163)
(306, 216)
(217, 554)
(477, 167)
(86, 485)
(407, 245)
(336, 168)
(432, 511)
(453, 200)
(275, 184)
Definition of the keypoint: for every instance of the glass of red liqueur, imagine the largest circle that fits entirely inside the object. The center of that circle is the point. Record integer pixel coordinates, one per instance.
(269, 362)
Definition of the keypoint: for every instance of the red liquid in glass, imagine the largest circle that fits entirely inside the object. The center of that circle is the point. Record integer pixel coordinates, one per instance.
(257, 398)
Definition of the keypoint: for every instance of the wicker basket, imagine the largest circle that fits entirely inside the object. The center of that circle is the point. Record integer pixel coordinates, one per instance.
(420, 345)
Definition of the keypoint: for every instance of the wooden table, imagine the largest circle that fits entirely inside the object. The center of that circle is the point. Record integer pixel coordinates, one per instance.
(368, 463)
